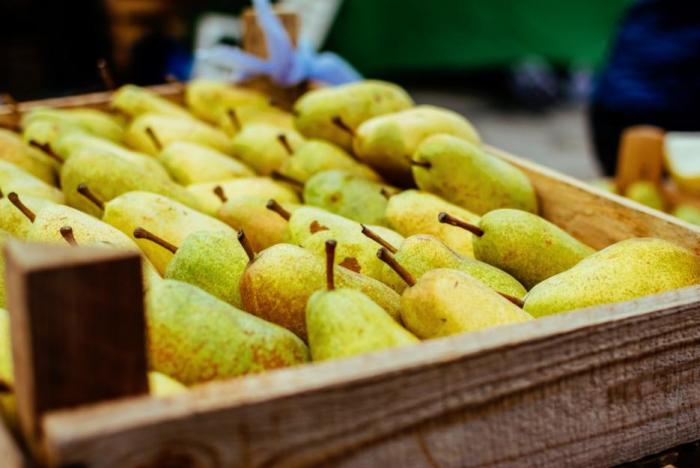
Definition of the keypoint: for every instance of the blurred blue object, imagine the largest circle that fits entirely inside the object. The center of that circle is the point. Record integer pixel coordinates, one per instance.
(285, 65)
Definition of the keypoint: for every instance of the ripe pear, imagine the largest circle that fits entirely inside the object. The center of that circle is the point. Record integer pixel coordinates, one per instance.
(92, 121)
(4, 236)
(190, 163)
(464, 174)
(277, 285)
(211, 203)
(414, 212)
(238, 118)
(523, 244)
(688, 213)
(249, 213)
(13, 221)
(150, 133)
(682, 160)
(160, 385)
(45, 133)
(14, 150)
(387, 142)
(334, 113)
(14, 179)
(314, 156)
(134, 101)
(623, 271)
(646, 193)
(109, 176)
(604, 184)
(345, 322)
(7, 377)
(209, 99)
(211, 260)
(348, 195)
(195, 337)
(258, 146)
(446, 302)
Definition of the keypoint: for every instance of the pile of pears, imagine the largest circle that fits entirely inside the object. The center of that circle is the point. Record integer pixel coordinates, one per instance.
(355, 222)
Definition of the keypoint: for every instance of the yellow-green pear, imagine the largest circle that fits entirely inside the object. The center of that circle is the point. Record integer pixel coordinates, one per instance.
(604, 184)
(647, 193)
(150, 133)
(466, 175)
(91, 121)
(277, 285)
(682, 160)
(4, 236)
(523, 244)
(414, 212)
(231, 189)
(688, 213)
(258, 145)
(13, 221)
(45, 133)
(387, 142)
(249, 213)
(134, 101)
(345, 322)
(621, 272)
(14, 150)
(238, 118)
(160, 385)
(334, 113)
(14, 179)
(210, 99)
(7, 377)
(191, 163)
(348, 195)
(194, 337)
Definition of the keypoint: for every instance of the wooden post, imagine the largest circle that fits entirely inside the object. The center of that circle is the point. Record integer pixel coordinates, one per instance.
(640, 156)
(77, 326)
(10, 454)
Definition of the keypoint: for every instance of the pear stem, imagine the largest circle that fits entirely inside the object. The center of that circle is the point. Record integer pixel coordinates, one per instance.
(233, 117)
(46, 148)
(67, 234)
(106, 75)
(518, 302)
(14, 199)
(377, 238)
(340, 123)
(87, 193)
(141, 233)
(423, 164)
(385, 193)
(284, 141)
(330, 264)
(285, 178)
(154, 138)
(219, 192)
(446, 218)
(245, 243)
(389, 259)
(5, 387)
(2, 195)
(277, 208)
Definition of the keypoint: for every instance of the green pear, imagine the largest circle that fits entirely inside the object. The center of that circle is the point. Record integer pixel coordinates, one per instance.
(14, 179)
(32, 160)
(231, 189)
(466, 175)
(211, 260)
(523, 244)
(209, 99)
(109, 176)
(334, 113)
(345, 322)
(387, 142)
(44, 134)
(604, 184)
(134, 101)
(348, 195)
(195, 337)
(190, 163)
(647, 193)
(277, 285)
(414, 212)
(92, 121)
(236, 119)
(623, 271)
(13, 221)
(258, 146)
(446, 302)
(688, 213)
(150, 133)
(160, 385)
(249, 213)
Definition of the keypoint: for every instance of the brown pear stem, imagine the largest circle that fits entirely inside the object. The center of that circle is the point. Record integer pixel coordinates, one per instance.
(277, 208)
(87, 193)
(2, 195)
(330, 264)
(46, 148)
(446, 218)
(277, 175)
(385, 193)
(340, 123)
(284, 141)
(154, 138)
(377, 238)
(67, 234)
(141, 233)
(423, 164)
(233, 117)
(106, 75)
(389, 259)
(518, 302)
(14, 199)
(219, 192)
(245, 243)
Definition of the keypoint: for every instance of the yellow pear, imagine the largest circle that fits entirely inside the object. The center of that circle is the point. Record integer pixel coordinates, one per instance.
(191, 163)
(14, 179)
(13, 149)
(210, 99)
(134, 101)
(243, 186)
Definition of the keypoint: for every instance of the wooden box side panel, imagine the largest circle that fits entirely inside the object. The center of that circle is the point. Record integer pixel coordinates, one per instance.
(606, 390)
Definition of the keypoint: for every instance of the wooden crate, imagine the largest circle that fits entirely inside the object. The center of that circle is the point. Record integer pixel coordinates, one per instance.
(593, 387)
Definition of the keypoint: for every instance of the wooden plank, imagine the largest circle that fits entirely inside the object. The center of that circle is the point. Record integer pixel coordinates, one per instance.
(10, 454)
(596, 217)
(590, 388)
(77, 327)
(640, 156)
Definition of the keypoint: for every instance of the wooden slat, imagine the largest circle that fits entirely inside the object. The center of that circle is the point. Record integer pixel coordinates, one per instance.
(591, 388)
(10, 454)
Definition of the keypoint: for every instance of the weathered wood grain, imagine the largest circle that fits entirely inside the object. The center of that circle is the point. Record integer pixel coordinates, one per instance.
(590, 388)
